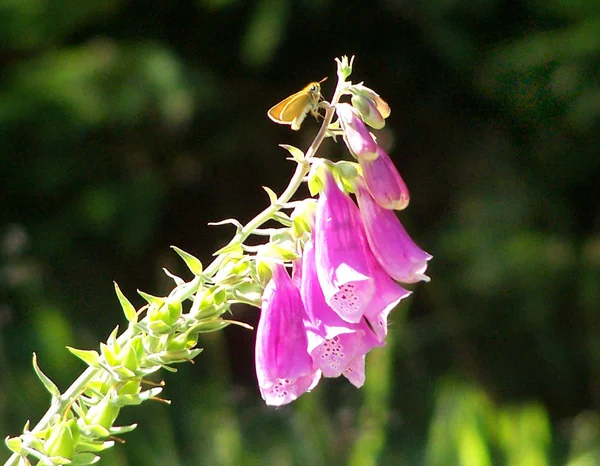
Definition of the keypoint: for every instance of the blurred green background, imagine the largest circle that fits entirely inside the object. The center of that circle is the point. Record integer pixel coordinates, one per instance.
(127, 126)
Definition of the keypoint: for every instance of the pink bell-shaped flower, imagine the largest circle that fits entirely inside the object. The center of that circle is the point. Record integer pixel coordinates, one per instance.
(342, 253)
(394, 249)
(335, 345)
(284, 368)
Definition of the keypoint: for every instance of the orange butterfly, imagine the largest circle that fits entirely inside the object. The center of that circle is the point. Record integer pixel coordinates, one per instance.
(293, 109)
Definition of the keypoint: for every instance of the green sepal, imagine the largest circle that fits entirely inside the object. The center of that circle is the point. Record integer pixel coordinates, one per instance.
(88, 445)
(175, 309)
(103, 414)
(129, 358)
(122, 373)
(90, 432)
(234, 248)
(346, 172)
(46, 382)
(248, 292)
(283, 218)
(133, 400)
(128, 308)
(263, 271)
(174, 357)
(300, 226)
(123, 429)
(54, 460)
(90, 357)
(147, 370)
(219, 295)
(152, 300)
(159, 327)
(178, 280)
(112, 340)
(183, 341)
(14, 444)
(109, 355)
(130, 387)
(315, 179)
(168, 368)
(192, 262)
(83, 459)
(210, 326)
(296, 153)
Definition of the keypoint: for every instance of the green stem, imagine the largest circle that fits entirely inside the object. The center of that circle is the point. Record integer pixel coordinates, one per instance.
(60, 406)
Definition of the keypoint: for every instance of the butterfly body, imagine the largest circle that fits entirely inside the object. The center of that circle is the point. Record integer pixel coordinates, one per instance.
(293, 109)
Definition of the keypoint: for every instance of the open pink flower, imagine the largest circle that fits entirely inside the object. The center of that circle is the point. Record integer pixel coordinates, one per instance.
(284, 368)
(335, 345)
(342, 252)
(356, 135)
(394, 249)
(384, 181)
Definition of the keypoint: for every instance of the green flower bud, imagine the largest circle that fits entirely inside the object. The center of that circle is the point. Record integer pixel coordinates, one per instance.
(103, 414)
(129, 357)
(368, 111)
(184, 341)
(62, 439)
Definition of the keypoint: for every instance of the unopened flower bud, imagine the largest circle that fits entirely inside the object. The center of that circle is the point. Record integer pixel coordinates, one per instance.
(356, 135)
(384, 181)
(368, 111)
(382, 107)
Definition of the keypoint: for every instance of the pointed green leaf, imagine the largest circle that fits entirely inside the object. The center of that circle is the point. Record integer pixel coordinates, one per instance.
(112, 339)
(192, 262)
(283, 218)
(234, 247)
(48, 384)
(151, 299)
(128, 309)
(178, 280)
(83, 459)
(109, 356)
(271, 193)
(54, 460)
(295, 152)
(227, 221)
(122, 429)
(90, 357)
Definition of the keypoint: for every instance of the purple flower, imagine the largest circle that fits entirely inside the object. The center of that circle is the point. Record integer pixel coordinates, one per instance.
(342, 251)
(334, 344)
(284, 368)
(387, 296)
(397, 253)
(356, 135)
(384, 182)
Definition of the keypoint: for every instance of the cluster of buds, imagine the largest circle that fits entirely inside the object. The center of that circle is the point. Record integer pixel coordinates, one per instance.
(324, 317)
(80, 422)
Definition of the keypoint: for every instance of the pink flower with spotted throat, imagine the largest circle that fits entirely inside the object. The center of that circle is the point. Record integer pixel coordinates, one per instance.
(284, 368)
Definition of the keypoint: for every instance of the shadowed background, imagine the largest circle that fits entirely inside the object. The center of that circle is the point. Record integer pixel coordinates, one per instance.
(127, 126)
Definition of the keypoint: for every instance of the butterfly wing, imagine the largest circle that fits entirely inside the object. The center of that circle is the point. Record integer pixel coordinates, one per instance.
(286, 111)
